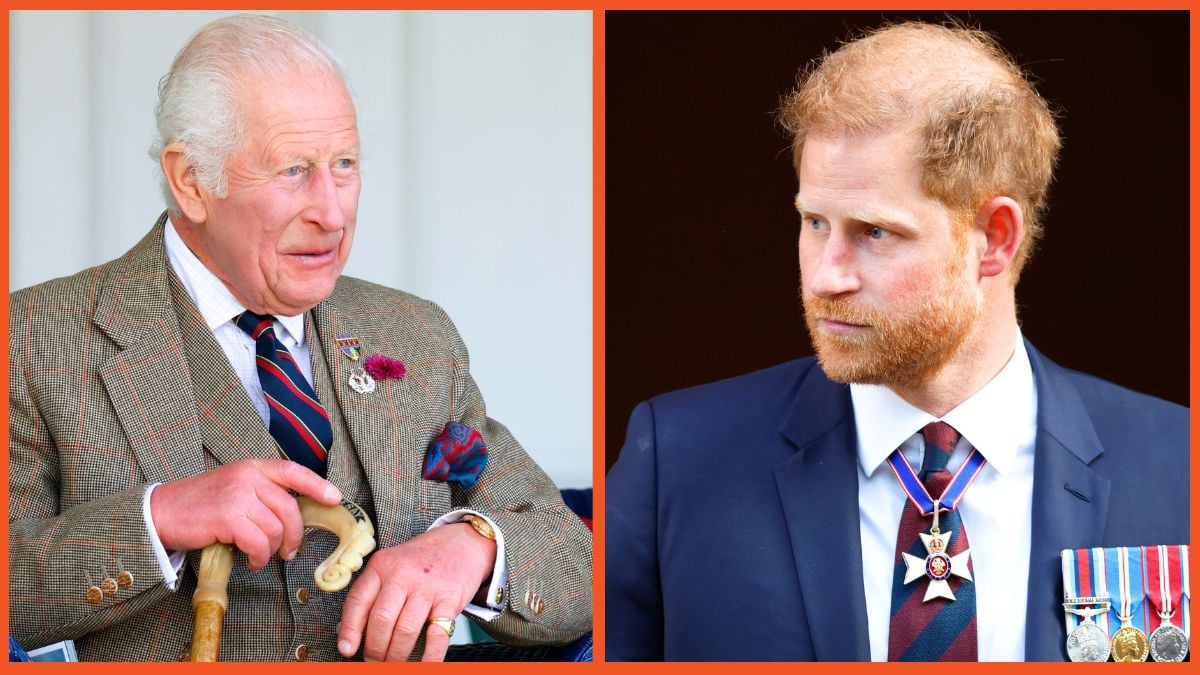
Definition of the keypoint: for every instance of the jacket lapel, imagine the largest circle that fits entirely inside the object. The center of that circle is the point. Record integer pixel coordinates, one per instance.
(1070, 503)
(144, 380)
(822, 478)
(229, 424)
(366, 415)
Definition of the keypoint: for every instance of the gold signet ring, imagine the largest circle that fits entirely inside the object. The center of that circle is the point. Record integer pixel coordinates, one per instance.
(443, 623)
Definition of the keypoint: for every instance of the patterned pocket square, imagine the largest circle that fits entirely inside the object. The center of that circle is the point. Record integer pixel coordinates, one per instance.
(458, 454)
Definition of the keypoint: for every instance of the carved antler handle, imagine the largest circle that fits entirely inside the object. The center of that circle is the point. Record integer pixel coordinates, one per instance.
(356, 538)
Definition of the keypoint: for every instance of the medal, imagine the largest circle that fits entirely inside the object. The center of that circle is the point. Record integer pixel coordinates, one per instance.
(1129, 643)
(1085, 596)
(937, 566)
(1088, 642)
(360, 380)
(1168, 642)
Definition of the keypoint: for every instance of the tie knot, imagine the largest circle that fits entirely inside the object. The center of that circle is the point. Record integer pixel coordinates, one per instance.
(940, 439)
(254, 324)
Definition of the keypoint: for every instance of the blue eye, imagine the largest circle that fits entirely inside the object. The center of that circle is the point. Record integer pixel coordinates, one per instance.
(345, 164)
(876, 232)
(815, 223)
(292, 171)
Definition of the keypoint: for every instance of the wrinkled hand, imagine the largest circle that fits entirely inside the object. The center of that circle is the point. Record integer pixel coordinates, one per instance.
(432, 575)
(245, 504)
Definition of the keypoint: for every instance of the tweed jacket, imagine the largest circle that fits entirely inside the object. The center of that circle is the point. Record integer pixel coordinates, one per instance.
(116, 383)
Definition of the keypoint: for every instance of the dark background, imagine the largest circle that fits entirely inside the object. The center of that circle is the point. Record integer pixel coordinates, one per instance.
(702, 271)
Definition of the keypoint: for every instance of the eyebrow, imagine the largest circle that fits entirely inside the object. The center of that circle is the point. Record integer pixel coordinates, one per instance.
(872, 215)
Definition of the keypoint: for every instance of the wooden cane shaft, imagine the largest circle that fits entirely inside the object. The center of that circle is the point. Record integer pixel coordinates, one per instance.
(206, 636)
(210, 601)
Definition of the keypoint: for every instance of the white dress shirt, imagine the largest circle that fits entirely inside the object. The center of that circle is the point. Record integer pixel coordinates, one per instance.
(219, 309)
(1000, 421)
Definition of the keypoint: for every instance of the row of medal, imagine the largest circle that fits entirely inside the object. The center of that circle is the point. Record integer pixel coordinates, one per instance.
(1128, 603)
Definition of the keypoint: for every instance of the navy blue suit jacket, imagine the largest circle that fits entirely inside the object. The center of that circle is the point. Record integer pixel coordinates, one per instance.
(732, 513)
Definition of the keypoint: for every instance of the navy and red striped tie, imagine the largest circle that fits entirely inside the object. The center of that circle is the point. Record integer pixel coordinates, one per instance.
(299, 423)
(941, 629)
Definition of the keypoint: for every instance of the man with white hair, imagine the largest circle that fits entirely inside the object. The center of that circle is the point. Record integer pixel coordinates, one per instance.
(177, 396)
(907, 494)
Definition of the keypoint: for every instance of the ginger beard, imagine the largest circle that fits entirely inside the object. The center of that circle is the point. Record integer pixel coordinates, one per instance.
(905, 346)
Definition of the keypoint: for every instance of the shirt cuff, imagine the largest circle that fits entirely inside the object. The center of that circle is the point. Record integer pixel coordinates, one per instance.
(171, 563)
(495, 597)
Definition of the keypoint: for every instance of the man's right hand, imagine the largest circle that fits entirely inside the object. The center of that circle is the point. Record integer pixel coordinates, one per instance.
(246, 504)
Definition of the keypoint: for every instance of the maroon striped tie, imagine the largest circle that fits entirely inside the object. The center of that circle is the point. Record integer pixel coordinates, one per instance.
(940, 629)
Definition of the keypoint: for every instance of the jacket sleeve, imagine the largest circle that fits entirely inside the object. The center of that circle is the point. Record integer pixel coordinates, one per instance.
(633, 597)
(52, 552)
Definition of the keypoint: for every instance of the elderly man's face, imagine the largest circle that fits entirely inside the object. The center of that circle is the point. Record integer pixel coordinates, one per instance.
(281, 237)
(888, 294)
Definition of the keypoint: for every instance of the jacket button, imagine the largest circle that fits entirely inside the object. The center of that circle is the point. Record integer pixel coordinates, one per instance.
(302, 652)
(302, 596)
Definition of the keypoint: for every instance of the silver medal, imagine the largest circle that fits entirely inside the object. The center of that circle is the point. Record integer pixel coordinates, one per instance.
(1088, 642)
(1168, 642)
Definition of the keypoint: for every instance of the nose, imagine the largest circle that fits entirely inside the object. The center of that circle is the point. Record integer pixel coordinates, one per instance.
(325, 205)
(829, 266)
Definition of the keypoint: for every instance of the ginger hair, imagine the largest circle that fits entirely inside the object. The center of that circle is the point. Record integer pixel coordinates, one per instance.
(984, 130)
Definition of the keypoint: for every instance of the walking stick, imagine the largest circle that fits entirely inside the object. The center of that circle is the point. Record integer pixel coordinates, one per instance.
(356, 538)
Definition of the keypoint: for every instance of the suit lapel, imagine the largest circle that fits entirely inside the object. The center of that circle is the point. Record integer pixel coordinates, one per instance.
(229, 424)
(365, 415)
(144, 380)
(1070, 503)
(818, 489)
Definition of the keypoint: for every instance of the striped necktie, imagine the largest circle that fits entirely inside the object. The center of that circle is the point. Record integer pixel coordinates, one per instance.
(940, 629)
(299, 423)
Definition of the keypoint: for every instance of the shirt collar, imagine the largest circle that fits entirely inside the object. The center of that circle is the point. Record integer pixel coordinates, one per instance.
(993, 419)
(216, 304)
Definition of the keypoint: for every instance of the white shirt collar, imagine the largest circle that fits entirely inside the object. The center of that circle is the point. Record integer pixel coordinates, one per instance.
(992, 420)
(216, 304)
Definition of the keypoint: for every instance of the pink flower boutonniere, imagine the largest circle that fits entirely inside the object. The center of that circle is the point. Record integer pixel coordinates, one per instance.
(383, 367)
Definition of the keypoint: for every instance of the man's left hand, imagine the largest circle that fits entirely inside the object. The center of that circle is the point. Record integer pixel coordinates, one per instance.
(433, 575)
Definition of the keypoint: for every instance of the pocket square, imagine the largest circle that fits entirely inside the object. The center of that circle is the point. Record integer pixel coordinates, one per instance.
(457, 454)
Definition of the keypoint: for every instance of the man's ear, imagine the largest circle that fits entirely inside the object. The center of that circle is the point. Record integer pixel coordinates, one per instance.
(1003, 225)
(182, 179)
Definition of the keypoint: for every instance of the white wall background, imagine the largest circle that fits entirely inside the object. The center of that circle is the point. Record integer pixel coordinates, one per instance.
(477, 137)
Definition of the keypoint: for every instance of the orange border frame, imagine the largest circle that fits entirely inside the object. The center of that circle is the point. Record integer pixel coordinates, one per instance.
(598, 297)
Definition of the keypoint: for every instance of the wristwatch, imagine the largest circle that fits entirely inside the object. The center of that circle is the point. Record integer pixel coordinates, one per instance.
(481, 526)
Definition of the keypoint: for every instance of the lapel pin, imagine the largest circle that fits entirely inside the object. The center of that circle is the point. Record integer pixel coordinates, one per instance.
(360, 380)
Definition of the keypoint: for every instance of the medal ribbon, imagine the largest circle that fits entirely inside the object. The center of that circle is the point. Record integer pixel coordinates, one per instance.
(1163, 585)
(1186, 590)
(1084, 576)
(915, 489)
(1125, 571)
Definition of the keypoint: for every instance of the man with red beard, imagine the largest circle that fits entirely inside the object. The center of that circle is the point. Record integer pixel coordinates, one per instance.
(907, 494)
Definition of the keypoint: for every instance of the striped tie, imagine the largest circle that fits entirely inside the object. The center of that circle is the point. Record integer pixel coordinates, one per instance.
(299, 423)
(941, 629)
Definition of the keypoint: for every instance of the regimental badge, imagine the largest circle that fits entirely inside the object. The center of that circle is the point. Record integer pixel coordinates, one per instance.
(349, 344)
(937, 566)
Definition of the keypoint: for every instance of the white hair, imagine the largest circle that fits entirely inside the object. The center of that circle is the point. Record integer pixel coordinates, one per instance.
(198, 98)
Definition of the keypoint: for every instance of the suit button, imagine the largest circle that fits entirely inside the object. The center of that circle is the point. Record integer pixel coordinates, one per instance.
(302, 596)
(302, 652)
(534, 602)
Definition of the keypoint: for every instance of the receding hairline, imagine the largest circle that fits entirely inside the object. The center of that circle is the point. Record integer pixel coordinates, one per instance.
(917, 63)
